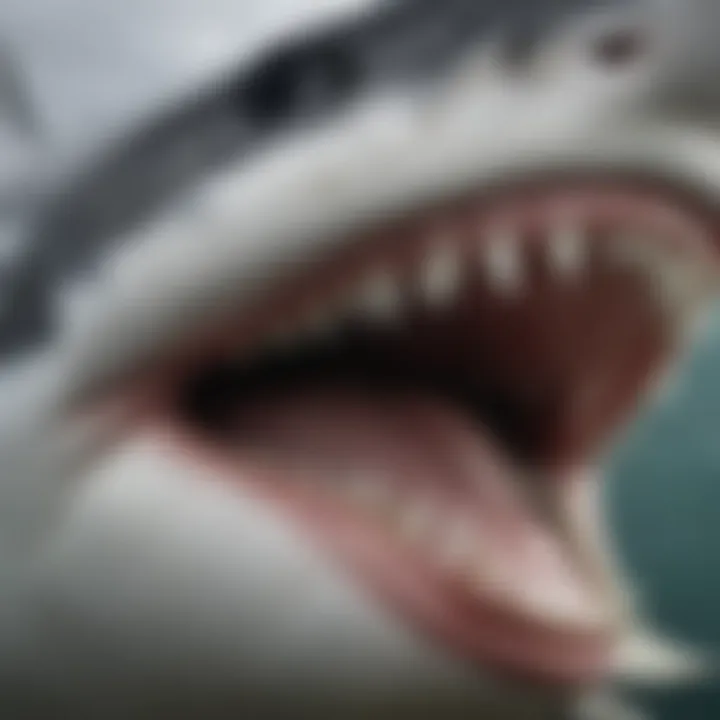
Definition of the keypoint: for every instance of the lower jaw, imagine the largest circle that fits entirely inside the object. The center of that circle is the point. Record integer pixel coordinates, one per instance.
(495, 638)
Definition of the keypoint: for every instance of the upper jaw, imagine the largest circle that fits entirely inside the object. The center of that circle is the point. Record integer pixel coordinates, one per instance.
(390, 153)
(261, 224)
(385, 156)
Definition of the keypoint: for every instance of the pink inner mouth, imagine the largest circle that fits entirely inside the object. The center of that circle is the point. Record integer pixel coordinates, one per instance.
(438, 370)
(420, 502)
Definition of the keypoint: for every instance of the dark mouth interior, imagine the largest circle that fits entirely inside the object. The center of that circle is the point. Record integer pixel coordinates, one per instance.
(549, 365)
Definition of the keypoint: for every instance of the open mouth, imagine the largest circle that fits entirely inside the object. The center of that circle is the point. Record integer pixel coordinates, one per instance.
(408, 399)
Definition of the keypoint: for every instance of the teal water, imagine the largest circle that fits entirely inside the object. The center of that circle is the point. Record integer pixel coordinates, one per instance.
(665, 499)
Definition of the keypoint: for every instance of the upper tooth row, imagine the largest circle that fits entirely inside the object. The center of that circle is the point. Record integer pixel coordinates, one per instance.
(380, 294)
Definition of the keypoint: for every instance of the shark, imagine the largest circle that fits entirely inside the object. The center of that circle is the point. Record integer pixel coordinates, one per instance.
(307, 378)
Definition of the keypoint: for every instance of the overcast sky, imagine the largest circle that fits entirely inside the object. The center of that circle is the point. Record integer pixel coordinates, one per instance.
(92, 66)
(93, 63)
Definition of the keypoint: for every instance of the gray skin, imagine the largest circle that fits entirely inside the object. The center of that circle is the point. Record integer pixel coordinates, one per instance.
(131, 585)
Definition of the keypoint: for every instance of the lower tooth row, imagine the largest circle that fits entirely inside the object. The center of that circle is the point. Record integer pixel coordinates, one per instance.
(453, 543)
(419, 520)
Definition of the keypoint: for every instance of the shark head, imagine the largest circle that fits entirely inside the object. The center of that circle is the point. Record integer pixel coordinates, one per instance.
(308, 379)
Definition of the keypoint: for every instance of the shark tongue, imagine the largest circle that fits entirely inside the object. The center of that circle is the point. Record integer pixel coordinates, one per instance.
(423, 481)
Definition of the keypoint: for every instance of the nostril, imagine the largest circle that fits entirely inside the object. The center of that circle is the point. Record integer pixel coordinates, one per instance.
(619, 47)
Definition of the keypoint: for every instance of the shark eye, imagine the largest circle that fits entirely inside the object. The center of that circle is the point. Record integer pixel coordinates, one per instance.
(298, 83)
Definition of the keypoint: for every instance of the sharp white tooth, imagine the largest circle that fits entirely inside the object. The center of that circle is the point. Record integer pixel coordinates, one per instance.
(568, 250)
(380, 296)
(603, 706)
(502, 257)
(681, 289)
(441, 275)
(645, 658)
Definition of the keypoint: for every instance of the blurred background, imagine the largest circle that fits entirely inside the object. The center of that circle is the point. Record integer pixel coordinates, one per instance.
(75, 72)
